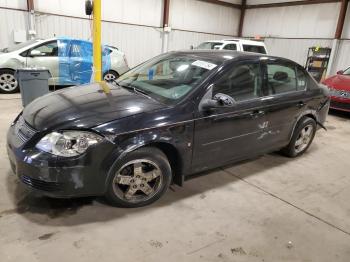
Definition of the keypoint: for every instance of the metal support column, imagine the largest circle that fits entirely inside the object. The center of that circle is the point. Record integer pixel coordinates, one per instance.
(31, 19)
(241, 19)
(337, 36)
(97, 52)
(166, 32)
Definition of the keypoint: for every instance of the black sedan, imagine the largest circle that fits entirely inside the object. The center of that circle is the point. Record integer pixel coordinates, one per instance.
(177, 114)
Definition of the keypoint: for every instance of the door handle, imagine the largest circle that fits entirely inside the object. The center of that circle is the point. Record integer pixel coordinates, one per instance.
(257, 114)
(300, 104)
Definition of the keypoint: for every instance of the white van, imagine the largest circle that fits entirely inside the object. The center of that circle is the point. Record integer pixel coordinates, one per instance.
(235, 44)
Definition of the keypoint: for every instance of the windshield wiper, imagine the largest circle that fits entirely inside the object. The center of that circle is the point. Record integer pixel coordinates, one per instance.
(137, 90)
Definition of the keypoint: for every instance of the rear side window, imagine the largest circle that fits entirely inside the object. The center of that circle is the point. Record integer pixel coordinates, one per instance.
(230, 47)
(242, 82)
(281, 78)
(254, 49)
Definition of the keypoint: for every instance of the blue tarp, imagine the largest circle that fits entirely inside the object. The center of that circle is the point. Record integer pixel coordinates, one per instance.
(76, 61)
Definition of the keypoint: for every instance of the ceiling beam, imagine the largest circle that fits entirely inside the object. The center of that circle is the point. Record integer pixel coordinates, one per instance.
(227, 4)
(292, 3)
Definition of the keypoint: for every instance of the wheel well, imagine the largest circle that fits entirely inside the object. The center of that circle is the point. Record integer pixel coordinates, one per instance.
(310, 116)
(10, 69)
(174, 159)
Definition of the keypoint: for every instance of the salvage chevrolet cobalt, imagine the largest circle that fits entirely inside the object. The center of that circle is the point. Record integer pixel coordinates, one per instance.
(177, 114)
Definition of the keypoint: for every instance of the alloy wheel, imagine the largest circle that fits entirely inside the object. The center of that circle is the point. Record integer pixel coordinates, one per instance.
(304, 138)
(8, 82)
(138, 180)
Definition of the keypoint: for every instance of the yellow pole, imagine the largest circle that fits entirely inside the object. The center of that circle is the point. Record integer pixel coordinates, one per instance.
(97, 40)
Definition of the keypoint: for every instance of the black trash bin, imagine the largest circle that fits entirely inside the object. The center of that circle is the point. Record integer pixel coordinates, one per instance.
(33, 83)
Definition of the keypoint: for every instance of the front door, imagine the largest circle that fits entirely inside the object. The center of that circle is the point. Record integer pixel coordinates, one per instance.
(231, 133)
(45, 55)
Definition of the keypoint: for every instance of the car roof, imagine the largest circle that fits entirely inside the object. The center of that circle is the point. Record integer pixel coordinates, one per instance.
(235, 40)
(221, 56)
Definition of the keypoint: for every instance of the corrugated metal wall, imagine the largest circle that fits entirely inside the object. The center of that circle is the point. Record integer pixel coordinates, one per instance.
(342, 60)
(19, 4)
(311, 21)
(204, 17)
(290, 31)
(294, 49)
(11, 20)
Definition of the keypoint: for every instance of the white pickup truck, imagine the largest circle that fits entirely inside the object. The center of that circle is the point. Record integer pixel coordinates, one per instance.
(235, 44)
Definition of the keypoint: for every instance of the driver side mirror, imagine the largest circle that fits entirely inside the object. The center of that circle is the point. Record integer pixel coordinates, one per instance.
(218, 101)
(35, 53)
(340, 72)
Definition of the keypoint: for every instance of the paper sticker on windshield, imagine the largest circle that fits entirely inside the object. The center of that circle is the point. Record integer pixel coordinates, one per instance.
(204, 64)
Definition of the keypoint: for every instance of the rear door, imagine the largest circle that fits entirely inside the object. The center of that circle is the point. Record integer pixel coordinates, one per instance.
(285, 100)
(80, 61)
(232, 133)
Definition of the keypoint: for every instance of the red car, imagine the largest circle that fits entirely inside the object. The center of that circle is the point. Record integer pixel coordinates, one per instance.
(339, 87)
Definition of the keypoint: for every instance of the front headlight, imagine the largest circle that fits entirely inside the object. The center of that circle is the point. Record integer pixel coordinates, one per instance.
(68, 143)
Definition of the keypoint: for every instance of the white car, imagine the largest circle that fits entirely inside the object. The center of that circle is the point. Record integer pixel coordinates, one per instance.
(69, 61)
(235, 44)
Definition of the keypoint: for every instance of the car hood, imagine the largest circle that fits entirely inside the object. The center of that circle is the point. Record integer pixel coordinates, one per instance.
(341, 82)
(86, 106)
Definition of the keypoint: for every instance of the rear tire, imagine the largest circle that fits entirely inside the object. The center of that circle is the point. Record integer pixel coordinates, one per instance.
(8, 82)
(139, 179)
(302, 138)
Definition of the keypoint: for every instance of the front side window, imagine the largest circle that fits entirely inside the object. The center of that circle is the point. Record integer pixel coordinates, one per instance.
(209, 45)
(242, 82)
(281, 78)
(47, 49)
(168, 78)
(254, 49)
(230, 47)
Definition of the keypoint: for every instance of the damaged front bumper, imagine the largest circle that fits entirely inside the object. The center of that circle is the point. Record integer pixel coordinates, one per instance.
(57, 176)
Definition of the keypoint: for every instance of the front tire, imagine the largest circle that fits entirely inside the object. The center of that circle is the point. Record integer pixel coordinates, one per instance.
(8, 82)
(302, 138)
(139, 179)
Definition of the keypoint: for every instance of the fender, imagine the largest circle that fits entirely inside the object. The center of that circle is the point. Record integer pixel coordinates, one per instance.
(178, 137)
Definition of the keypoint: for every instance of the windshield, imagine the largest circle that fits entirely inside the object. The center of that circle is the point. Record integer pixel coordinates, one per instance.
(18, 46)
(208, 45)
(347, 71)
(167, 78)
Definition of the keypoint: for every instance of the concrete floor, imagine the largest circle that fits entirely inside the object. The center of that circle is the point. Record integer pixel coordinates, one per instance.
(269, 209)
